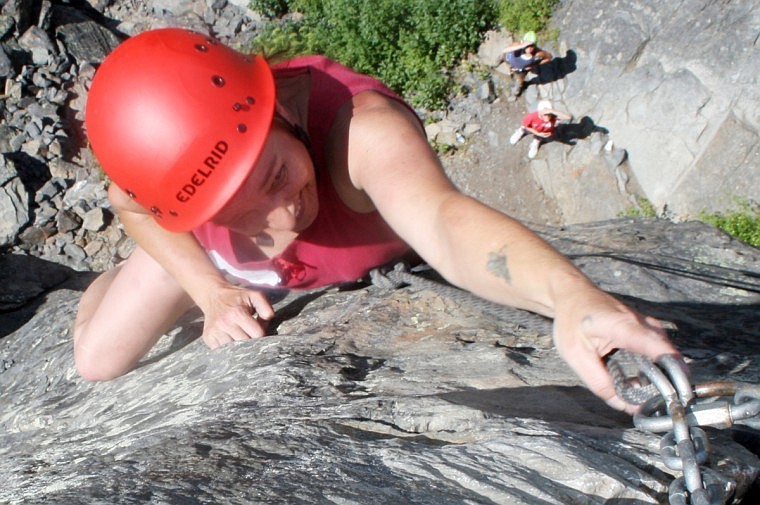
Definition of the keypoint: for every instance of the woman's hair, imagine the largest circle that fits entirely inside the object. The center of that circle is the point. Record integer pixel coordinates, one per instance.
(294, 129)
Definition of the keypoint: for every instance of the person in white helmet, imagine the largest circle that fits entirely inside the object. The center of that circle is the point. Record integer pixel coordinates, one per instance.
(235, 176)
(541, 124)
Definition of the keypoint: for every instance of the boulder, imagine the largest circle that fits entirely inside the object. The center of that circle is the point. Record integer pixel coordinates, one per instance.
(369, 395)
(676, 87)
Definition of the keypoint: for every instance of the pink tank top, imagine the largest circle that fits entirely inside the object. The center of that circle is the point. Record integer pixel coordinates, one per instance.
(341, 245)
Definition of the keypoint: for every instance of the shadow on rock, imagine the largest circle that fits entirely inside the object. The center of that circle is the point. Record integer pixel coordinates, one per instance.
(709, 329)
(556, 69)
(190, 328)
(559, 404)
(291, 305)
(24, 281)
(570, 133)
(32, 172)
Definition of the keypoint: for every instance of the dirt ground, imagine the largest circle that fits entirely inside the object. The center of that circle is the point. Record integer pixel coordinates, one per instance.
(495, 172)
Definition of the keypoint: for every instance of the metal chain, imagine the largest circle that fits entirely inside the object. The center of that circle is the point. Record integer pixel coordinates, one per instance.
(669, 402)
(679, 409)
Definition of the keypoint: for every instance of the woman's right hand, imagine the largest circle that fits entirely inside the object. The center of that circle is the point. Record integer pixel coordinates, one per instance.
(231, 312)
(234, 313)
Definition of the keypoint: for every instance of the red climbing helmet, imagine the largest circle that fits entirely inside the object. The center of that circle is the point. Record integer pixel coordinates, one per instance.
(177, 120)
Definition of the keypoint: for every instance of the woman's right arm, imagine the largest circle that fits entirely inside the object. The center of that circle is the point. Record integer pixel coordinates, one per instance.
(228, 309)
(515, 46)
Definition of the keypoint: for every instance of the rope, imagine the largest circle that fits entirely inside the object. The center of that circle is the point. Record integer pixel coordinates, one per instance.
(624, 368)
(400, 275)
(639, 381)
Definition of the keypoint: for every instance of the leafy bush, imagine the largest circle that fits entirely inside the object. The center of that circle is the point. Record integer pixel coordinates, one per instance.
(411, 45)
(520, 16)
(278, 41)
(742, 223)
(270, 8)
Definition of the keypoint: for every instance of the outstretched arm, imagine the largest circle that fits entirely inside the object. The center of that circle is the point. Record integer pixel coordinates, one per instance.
(515, 46)
(509, 49)
(487, 252)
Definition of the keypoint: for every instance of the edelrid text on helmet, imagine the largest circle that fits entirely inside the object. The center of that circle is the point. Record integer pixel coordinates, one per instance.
(199, 177)
(177, 120)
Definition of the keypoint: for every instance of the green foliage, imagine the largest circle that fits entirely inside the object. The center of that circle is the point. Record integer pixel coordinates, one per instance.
(442, 148)
(643, 208)
(520, 16)
(270, 8)
(742, 223)
(278, 41)
(410, 45)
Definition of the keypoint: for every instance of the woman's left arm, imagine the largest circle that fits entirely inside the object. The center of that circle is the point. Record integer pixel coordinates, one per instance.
(485, 251)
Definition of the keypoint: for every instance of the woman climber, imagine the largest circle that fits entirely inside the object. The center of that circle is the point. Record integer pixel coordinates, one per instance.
(234, 176)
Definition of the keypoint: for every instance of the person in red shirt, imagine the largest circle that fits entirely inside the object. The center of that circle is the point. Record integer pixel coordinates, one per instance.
(540, 124)
(234, 176)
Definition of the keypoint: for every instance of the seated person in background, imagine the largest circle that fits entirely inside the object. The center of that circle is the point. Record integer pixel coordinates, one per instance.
(523, 57)
(540, 124)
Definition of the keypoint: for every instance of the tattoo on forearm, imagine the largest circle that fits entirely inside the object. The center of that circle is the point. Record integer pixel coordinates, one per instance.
(497, 265)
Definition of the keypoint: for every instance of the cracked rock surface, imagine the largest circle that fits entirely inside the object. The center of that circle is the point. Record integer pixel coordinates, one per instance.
(365, 395)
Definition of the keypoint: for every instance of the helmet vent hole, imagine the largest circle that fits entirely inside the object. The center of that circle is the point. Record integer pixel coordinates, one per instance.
(130, 193)
(241, 128)
(250, 100)
(201, 47)
(173, 213)
(236, 106)
(218, 81)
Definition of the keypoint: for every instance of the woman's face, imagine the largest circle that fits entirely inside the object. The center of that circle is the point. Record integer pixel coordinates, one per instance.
(279, 195)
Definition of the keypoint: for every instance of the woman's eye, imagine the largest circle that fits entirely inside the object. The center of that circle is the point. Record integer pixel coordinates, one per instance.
(279, 179)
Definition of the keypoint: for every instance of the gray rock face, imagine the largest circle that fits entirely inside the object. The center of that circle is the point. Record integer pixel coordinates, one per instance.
(374, 396)
(53, 203)
(367, 395)
(676, 87)
(665, 107)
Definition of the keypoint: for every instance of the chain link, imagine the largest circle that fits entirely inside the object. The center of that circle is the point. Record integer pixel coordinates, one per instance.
(669, 403)
(679, 409)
